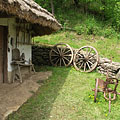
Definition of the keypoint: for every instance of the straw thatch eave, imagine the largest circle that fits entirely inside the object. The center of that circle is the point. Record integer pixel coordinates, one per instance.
(31, 12)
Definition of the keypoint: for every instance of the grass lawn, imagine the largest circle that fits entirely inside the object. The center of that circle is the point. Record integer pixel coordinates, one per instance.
(67, 95)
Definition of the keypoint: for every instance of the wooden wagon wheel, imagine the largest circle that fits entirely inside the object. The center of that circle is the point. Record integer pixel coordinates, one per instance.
(61, 55)
(86, 59)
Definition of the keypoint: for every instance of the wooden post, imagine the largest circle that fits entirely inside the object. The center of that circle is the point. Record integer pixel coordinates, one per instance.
(19, 72)
(109, 102)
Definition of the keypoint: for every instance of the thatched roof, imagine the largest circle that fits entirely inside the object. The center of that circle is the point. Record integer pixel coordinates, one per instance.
(31, 12)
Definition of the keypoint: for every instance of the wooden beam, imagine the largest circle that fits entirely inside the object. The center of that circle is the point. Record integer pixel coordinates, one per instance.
(5, 15)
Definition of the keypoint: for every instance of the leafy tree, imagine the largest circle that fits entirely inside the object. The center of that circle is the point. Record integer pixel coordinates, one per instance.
(108, 10)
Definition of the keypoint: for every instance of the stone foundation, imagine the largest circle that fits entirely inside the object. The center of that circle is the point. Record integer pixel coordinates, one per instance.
(40, 55)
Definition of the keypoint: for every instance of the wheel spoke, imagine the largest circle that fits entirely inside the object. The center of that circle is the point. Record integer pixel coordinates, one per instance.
(54, 59)
(84, 67)
(80, 55)
(92, 56)
(89, 52)
(81, 65)
(92, 59)
(64, 48)
(64, 61)
(58, 50)
(88, 65)
(61, 49)
(77, 63)
(57, 62)
(69, 55)
(80, 61)
(90, 62)
(55, 51)
(66, 52)
(80, 58)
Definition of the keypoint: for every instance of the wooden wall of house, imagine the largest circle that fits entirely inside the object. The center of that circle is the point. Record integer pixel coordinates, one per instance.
(22, 44)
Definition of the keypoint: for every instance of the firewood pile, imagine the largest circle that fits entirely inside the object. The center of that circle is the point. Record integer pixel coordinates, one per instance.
(107, 65)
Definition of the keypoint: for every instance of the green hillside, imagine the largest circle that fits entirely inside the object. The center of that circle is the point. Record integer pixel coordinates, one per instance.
(81, 29)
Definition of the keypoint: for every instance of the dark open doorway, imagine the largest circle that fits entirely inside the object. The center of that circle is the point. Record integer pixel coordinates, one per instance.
(3, 54)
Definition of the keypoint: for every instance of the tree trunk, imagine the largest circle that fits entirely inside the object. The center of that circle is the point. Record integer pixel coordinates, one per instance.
(76, 2)
(52, 7)
(103, 14)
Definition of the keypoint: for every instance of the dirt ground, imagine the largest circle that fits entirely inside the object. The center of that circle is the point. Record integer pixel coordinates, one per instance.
(13, 95)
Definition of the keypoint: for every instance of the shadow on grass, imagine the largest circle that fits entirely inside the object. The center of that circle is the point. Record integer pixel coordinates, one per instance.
(40, 105)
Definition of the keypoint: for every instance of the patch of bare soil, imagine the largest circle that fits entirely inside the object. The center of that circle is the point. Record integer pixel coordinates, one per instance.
(12, 96)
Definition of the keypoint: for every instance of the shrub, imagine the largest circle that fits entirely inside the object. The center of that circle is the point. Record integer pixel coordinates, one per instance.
(80, 29)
